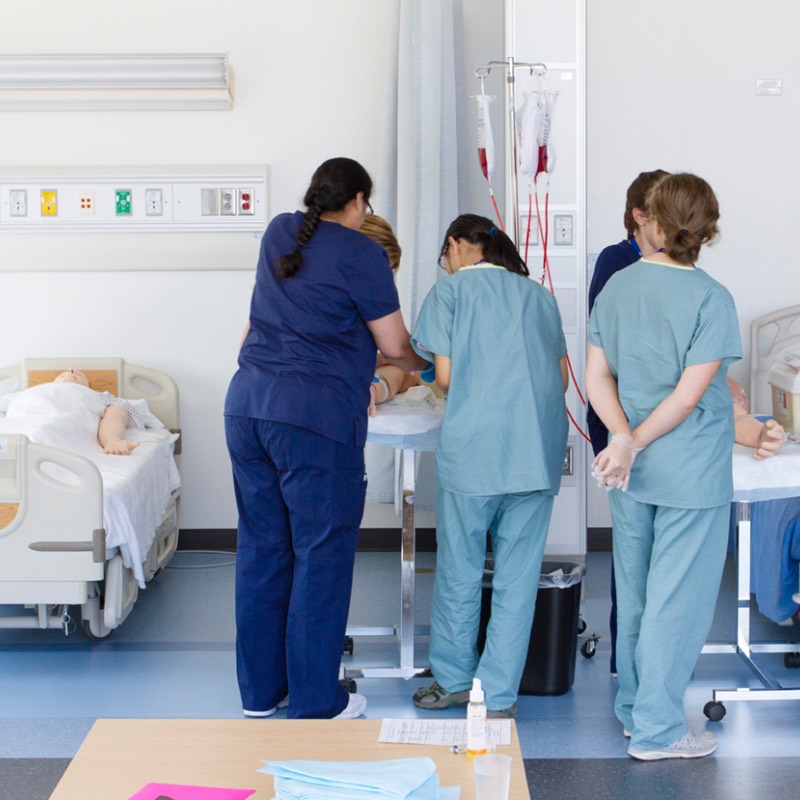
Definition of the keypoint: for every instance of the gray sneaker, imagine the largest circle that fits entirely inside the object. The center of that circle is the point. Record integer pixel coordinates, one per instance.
(503, 713)
(437, 697)
(690, 745)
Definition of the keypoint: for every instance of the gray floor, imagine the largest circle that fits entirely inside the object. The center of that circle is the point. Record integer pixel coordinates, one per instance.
(174, 657)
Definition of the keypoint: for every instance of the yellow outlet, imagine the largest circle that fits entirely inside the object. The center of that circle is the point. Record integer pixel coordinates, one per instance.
(49, 202)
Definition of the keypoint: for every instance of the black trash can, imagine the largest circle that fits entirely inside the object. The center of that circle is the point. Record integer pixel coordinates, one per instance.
(550, 665)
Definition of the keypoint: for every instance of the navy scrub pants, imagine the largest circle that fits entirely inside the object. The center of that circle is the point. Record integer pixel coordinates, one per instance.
(300, 498)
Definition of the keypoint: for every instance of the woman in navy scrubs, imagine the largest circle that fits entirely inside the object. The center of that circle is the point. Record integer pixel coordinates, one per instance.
(296, 424)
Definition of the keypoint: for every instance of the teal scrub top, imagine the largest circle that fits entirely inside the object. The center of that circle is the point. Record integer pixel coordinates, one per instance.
(652, 321)
(505, 425)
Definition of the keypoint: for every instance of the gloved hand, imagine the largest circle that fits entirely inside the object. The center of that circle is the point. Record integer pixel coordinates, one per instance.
(771, 439)
(612, 466)
(429, 373)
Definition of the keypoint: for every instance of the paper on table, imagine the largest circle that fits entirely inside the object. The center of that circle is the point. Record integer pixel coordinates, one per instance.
(177, 791)
(444, 731)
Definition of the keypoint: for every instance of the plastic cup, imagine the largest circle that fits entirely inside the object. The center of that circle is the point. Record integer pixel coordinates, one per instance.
(492, 776)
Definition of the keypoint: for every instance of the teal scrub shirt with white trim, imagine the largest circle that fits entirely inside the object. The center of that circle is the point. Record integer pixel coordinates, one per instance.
(653, 320)
(505, 425)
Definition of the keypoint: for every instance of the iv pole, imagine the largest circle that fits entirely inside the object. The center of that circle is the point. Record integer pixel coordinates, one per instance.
(510, 66)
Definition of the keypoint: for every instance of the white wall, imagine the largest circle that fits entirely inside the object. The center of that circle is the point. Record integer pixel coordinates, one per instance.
(672, 86)
(310, 79)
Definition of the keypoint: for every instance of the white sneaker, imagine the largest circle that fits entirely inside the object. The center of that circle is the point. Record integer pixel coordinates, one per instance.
(356, 706)
(690, 745)
(269, 712)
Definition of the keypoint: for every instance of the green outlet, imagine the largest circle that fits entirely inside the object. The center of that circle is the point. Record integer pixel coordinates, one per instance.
(123, 202)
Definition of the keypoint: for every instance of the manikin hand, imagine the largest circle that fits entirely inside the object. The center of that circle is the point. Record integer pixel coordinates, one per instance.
(120, 447)
(771, 439)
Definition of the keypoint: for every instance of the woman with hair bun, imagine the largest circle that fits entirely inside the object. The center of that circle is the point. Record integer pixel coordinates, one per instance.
(296, 424)
(500, 355)
(662, 334)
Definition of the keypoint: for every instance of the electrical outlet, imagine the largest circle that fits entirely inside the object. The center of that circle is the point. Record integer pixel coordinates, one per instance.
(246, 201)
(533, 239)
(86, 203)
(227, 199)
(49, 198)
(153, 202)
(563, 224)
(122, 201)
(18, 202)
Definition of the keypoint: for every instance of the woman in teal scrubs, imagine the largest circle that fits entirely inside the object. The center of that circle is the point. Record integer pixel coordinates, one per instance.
(662, 334)
(500, 356)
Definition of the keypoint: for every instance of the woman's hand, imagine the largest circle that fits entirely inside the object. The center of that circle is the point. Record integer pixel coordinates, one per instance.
(612, 466)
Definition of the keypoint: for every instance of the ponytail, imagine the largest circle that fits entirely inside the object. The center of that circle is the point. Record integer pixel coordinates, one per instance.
(496, 245)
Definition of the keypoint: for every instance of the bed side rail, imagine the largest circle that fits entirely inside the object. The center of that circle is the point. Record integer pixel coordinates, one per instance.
(52, 525)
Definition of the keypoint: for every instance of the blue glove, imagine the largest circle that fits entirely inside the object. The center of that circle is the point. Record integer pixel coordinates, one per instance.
(429, 373)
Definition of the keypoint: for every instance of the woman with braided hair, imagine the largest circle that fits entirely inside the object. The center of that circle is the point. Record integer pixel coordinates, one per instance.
(296, 424)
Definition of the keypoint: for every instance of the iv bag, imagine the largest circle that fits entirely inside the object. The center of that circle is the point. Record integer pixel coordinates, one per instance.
(527, 150)
(484, 137)
(545, 151)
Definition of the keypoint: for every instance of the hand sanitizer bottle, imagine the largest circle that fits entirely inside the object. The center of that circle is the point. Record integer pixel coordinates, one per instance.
(476, 720)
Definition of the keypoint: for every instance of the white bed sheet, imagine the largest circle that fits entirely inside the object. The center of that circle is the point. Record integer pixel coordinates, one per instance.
(136, 488)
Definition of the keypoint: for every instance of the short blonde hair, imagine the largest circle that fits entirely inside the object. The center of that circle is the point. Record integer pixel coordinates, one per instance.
(380, 231)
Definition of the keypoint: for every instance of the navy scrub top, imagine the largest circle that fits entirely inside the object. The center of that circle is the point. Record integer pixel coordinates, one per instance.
(309, 357)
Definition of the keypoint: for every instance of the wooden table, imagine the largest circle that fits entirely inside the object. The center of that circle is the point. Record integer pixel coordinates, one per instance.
(120, 756)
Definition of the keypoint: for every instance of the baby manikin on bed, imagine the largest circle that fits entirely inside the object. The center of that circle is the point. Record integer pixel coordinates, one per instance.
(136, 487)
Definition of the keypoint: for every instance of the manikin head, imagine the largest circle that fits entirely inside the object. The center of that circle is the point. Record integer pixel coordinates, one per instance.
(72, 376)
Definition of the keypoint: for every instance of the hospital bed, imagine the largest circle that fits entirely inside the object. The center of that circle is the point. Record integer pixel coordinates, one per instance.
(410, 428)
(79, 529)
(766, 498)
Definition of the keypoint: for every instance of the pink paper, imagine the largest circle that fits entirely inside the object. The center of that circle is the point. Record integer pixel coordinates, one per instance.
(180, 792)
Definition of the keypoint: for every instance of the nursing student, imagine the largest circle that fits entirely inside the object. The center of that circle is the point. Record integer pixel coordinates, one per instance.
(765, 438)
(662, 334)
(295, 423)
(500, 356)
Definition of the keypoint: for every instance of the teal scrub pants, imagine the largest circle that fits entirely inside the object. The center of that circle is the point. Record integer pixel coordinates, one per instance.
(519, 525)
(668, 565)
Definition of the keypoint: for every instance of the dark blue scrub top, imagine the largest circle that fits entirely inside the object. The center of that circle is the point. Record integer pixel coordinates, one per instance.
(610, 261)
(309, 357)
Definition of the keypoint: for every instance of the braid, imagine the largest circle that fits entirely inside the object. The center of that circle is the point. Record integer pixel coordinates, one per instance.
(290, 264)
(334, 184)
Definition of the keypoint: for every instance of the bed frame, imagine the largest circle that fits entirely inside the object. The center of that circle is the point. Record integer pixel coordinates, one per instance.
(768, 336)
(52, 541)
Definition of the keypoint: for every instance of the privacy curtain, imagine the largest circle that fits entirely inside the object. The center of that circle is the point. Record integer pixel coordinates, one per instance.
(418, 179)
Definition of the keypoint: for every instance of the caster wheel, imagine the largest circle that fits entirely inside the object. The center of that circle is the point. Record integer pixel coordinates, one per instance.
(714, 711)
(791, 660)
(581, 625)
(349, 684)
(588, 648)
(348, 645)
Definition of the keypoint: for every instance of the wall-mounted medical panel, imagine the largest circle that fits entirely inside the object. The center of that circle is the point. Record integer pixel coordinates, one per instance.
(553, 34)
(133, 199)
